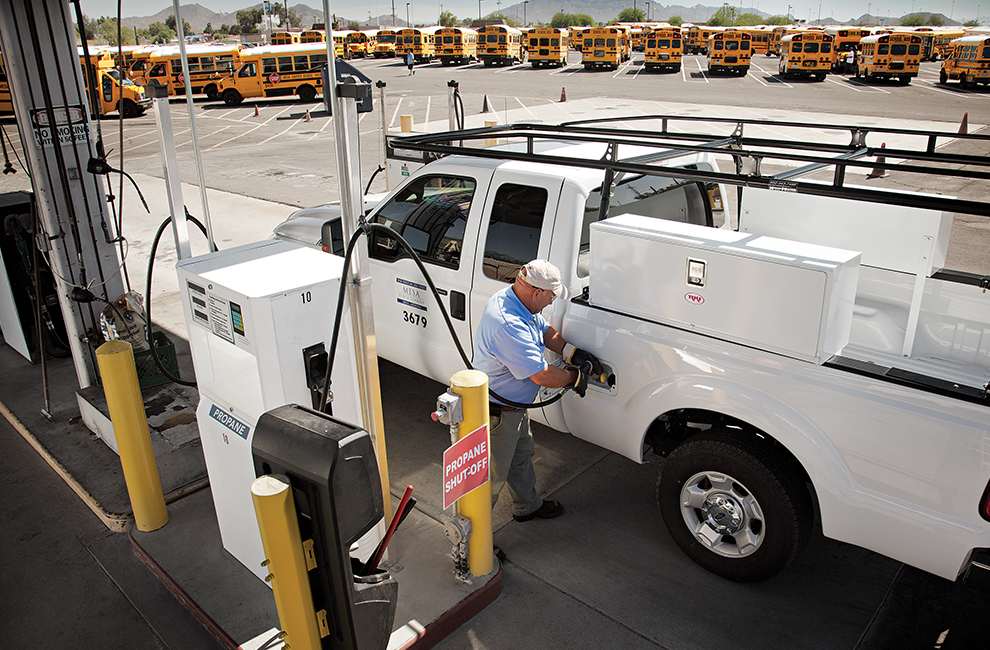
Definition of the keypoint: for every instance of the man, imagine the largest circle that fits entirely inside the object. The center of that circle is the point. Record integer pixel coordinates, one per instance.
(410, 62)
(512, 336)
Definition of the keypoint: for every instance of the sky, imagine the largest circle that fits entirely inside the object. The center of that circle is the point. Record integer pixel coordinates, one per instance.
(958, 10)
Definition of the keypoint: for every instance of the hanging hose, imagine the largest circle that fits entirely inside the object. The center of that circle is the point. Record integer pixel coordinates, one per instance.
(147, 298)
(366, 229)
(372, 179)
(458, 109)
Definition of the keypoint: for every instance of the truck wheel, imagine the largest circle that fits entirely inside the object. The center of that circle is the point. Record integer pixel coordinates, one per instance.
(307, 93)
(734, 507)
(905, 79)
(212, 92)
(128, 109)
(231, 97)
(943, 78)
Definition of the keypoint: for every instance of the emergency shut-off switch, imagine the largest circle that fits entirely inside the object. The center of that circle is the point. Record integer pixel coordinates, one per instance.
(315, 359)
(696, 273)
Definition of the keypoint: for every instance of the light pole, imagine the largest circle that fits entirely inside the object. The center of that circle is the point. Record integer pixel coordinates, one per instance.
(408, 24)
(479, 9)
(498, 3)
(393, 14)
(648, 12)
(526, 2)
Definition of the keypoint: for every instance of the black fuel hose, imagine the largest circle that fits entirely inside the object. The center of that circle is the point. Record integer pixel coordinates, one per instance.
(366, 229)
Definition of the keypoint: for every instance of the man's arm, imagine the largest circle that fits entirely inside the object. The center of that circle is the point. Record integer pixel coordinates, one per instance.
(553, 340)
(554, 377)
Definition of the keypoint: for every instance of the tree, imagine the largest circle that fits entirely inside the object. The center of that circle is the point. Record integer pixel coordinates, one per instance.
(158, 33)
(353, 25)
(562, 20)
(106, 30)
(971, 23)
(676, 21)
(724, 17)
(936, 20)
(448, 19)
(630, 15)
(248, 20)
(208, 29)
(186, 27)
(777, 20)
(288, 17)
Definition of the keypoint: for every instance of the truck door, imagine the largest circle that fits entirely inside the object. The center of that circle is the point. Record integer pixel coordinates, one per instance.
(518, 220)
(438, 214)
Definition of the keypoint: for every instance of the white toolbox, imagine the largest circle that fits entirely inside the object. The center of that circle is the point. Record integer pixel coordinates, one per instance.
(787, 297)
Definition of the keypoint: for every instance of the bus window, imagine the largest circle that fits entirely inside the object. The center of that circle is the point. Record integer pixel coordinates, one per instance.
(795, 47)
(826, 48)
(284, 64)
(898, 49)
(732, 46)
(248, 70)
(883, 48)
(986, 53)
(610, 42)
(501, 38)
(811, 47)
(718, 46)
(301, 63)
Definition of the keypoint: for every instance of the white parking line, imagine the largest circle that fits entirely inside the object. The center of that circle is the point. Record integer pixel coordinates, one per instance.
(869, 89)
(249, 130)
(429, 100)
(526, 108)
(566, 70)
(753, 76)
(961, 92)
(770, 74)
(843, 85)
(391, 123)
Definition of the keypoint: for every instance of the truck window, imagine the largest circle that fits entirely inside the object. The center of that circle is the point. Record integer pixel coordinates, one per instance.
(650, 196)
(430, 213)
(513, 230)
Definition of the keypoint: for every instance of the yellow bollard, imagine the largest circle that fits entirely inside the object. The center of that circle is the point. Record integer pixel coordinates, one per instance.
(287, 562)
(130, 427)
(476, 506)
(406, 122)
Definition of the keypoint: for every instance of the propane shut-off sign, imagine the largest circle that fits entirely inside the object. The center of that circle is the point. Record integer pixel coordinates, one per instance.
(465, 465)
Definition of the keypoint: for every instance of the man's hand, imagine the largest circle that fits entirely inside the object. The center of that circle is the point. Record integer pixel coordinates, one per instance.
(581, 384)
(578, 357)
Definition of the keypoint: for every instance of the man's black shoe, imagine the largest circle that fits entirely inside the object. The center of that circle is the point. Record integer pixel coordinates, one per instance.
(499, 553)
(548, 510)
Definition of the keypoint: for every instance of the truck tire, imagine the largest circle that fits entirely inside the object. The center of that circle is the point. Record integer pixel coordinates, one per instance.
(231, 97)
(306, 93)
(733, 506)
(942, 77)
(128, 109)
(212, 92)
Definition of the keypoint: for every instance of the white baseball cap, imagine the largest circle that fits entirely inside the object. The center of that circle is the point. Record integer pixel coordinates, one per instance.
(543, 275)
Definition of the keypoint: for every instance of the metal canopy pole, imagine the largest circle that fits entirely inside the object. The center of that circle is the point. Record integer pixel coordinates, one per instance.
(192, 124)
(343, 100)
(170, 167)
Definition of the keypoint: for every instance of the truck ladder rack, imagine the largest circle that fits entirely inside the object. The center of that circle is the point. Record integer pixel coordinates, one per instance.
(541, 143)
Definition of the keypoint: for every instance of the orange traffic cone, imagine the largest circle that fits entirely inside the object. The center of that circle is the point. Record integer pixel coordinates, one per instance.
(563, 94)
(964, 126)
(484, 106)
(257, 113)
(879, 171)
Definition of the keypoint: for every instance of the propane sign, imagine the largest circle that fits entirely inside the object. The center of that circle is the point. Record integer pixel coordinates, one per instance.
(465, 465)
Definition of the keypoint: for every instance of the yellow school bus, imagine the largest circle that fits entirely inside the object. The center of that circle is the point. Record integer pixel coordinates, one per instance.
(421, 41)
(6, 103)
(806, 54)
(940, 43)
(845, 39)
(664, 49)
(729, 52)
(698, 36)
(285, 38)
(885, 56)
(968, 62)
(548, 46)
(138, 65)
(313, 36)
(605, 47)
(759, 38)
(356, 44)
(577, 36)
(499, 45)
(456, 45)
(385, 43)
(208, 64)
(114, 94)
(778, 33)
(277, 71)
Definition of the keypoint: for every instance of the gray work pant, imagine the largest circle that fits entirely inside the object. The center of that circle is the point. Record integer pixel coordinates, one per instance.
(512, 452)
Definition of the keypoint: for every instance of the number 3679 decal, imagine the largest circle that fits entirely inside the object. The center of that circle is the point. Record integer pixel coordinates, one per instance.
(414, 319)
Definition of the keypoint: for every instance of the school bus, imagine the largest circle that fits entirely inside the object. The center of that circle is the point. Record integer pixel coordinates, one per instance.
(940, 44)
(456, 45)
(113, 93)
(356, 44)
(6, 102)
(499, 45)
(729, 52)
(605, 47)
(885, 56)
(138, 64)
(277, 71)
(807, 54)
(759, 38)
(421, 41)
(385, 43)
(548, 46)
(207, 65)
(285, 38)
(698, 38)
(664, 49)
(778, 33)
(969, 61)
(313, 36)
(844, 39)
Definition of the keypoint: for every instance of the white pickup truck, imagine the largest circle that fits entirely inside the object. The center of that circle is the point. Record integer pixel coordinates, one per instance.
(806, 353)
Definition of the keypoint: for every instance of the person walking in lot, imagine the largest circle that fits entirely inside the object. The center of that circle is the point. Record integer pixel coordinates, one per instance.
(511, 339)
(410, 60)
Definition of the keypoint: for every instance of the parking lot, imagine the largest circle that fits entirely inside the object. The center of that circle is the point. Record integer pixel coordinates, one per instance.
(646, 593)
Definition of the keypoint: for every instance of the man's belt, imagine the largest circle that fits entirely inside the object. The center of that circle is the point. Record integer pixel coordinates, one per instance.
(496, 409)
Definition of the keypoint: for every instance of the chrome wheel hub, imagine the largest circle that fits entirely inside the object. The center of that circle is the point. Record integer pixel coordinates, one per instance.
(722, 514)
